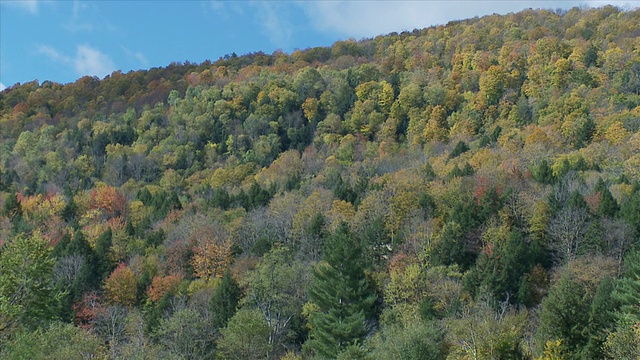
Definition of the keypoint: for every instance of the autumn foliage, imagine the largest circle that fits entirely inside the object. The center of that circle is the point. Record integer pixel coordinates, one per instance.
(211, 257)
(162, 285)
(484, 176)
(120, 287)
(109, 201)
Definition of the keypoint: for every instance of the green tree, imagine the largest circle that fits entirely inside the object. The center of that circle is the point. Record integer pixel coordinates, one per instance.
(608, 205)
(564, 316)
(484, 333)
(277, 289)
(246, 336)
(224, 301)
(601, 320)
(543, 173)
(27, 293)
(501, 271)
(342, 296)
(627, 291)
(104, 263)
(414, 341)
(11, 207)
(630, 209)
(186, 334)
(58, 341)
(450, 248)
(461, 147)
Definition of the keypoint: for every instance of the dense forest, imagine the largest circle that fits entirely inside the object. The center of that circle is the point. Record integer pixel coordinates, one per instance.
(465, 191)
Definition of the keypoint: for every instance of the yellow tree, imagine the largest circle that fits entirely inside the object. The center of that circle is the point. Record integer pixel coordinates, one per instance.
(386, 97)
(436, 128)
(211, 257)
(121, 286)
(492, 84)
(310, 108)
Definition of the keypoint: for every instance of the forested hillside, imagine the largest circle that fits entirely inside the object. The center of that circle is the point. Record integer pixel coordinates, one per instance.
(467, 191)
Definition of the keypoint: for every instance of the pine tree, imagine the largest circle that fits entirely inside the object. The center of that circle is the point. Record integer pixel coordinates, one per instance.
(564, 316)
(601, 320)
(224, 301)
(103, 264)
(627, 292)
(543, 173)
(342, 295)
(12, 208)
(503, 272)
(630, 210)
(608, 205)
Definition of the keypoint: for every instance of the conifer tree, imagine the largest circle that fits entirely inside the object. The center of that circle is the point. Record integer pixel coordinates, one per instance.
(601, 319)
(630, 210)
(564, 315)
(627, 292)
(103, 264)
(12, 208)
(225, 300)
(608, 205)
(342, 295)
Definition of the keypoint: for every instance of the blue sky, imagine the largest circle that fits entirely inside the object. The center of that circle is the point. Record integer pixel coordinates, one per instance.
(64, 40)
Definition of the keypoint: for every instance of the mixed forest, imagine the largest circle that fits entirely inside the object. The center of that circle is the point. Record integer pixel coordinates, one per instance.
(464, 191)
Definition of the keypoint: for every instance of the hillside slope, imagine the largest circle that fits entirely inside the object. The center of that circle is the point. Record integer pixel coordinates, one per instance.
(472, 188)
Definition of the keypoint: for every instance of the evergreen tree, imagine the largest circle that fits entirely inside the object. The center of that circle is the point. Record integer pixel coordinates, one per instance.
(601, 320)
(627, 292)
(103, 264)
(342, 295)
(543, 173)
(502, 272)
(85, 277)
(69, 212)
(12, 208)
(564, 316)
(79, 245)
(576, 201)
(451, 247)
(585, 133)
(608, 205)
(224, 301)
(60, 249)
(461, 147)
(630, 210)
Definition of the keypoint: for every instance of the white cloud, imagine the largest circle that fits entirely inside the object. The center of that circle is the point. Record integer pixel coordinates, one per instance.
(87, 61)
(2, 87)
(30, 6)
(83, 18)
(90, 61)
(143, 59)
(76, 23)
(225, 9)
(137, 55)
(274, 19)
(77, 6)
(370, 18)
(217, 5)
(53, 54)
(272, 16)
